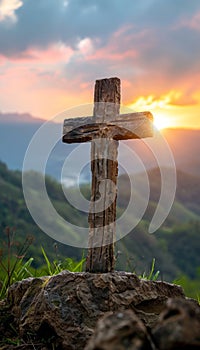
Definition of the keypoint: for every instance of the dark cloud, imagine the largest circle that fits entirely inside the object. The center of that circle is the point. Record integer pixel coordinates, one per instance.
(46, 21)
(152, 30)
(167, 13)
(43, 22)
(175, 52)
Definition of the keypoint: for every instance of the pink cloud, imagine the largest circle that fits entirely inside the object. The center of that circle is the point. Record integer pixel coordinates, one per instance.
(110, 55)
(36, 81)
(2, 59)
(193, 22)
(54, 54)
(43, 94)
(118, 47)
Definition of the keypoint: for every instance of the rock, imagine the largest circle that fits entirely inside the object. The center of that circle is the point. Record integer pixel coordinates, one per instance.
(178, 326)
(120, 331)
(64, 309)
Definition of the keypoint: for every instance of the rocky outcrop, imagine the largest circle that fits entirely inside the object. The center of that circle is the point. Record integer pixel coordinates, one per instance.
(64, 309)
(178, 327)
(120, 331)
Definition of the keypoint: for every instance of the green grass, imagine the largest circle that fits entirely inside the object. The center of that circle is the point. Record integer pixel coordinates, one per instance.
(15, 266)
(190, 286)
(55, 267)
(152, 275)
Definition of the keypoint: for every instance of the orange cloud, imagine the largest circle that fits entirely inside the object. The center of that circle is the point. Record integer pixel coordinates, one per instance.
(46, 81)
(167, 113)
(44, 95)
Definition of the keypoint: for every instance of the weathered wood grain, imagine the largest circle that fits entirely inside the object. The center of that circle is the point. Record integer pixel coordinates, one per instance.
(117, 127)
(104, 167)
(104, 130)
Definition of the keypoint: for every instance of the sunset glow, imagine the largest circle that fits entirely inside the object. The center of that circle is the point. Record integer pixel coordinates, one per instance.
(161, 122)
(168, 114)
(162, 111)
(153, 48)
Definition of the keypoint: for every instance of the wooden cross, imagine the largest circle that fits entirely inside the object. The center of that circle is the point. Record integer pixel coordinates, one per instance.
(104, 130)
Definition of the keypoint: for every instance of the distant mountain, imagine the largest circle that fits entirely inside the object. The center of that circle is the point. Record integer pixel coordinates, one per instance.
(15, 138)
(185, 145)
(19, 118)
(17, 130)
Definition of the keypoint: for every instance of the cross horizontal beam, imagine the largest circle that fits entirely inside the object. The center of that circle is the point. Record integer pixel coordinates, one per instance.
(104, 129)
(119, 127)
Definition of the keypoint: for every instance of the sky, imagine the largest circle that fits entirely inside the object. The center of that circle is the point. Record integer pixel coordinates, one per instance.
(52, 51)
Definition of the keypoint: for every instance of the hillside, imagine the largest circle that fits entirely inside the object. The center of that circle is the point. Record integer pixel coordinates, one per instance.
(175, 246)
(14, 213)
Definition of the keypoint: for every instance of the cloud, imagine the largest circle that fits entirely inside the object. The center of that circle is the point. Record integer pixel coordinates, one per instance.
(53, 54)
(57, 48)
(45, 22)
(193, 22)
(85, 46)
(41, 23)
(8, 8)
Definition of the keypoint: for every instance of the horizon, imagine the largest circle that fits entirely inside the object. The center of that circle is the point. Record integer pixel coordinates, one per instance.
(51, 53)
(30, 119)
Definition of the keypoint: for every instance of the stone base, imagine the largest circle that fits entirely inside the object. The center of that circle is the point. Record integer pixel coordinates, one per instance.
(178, 327)
(64, 309)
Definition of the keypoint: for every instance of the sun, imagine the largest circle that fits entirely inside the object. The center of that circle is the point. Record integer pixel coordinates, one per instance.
(164, 112)
(161, 121)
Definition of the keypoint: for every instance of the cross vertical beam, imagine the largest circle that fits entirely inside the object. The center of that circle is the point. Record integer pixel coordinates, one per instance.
(104, 167)
(104, 129)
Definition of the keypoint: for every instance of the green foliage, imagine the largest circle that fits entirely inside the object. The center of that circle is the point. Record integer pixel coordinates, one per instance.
(13, 266)
(152, 275)
(13, 212)
(183, 243)
(57, 266)
(175, 246)
(190, 286)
